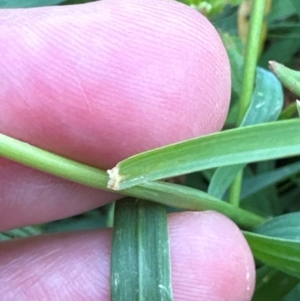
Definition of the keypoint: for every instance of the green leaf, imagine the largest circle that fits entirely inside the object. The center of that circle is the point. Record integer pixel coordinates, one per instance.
(277, 243)
(235, 2)
(256, 183)
(266, 105)
(193, 199)
(235, 49)
(282, 254)
(285, 226)
(20, 233)
(267, 99)
(296, 5)
(289, 78)
(290, 199)
(243, 145)
(293, 295)
(267, 201)
(140, 264)
(222, 179)
(282, 50)
(272, 284)
(226, 21)
(281, 9)
(27, 3)
(93, 219)
(68, 2)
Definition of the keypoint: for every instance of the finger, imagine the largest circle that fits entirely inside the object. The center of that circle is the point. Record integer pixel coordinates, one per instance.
(210, 261)
(84, 82)
(30, 197)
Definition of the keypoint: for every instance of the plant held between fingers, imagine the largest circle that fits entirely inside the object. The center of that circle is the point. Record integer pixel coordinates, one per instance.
(140, 265)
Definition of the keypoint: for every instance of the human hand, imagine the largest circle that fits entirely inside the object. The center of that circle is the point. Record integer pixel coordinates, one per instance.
(98, 83)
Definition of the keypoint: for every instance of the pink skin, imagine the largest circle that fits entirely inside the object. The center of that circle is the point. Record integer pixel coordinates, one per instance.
(98, 83)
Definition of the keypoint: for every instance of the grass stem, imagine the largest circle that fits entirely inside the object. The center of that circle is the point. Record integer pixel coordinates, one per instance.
(252, 52)
(166, 193)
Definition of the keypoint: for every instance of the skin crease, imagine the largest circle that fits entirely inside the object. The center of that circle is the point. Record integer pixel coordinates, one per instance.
(98, 83)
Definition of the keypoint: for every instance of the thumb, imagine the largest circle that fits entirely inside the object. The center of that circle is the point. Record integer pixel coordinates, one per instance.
(102, 81)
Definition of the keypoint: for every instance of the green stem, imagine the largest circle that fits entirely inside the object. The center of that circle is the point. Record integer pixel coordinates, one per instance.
(165, 193)
(42, 160)
(235, 190)
(252, 52)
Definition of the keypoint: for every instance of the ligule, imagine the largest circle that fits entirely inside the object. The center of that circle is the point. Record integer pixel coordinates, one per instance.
(140, 264)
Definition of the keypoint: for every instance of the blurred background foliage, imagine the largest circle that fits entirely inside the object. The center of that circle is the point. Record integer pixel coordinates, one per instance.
(270, 188)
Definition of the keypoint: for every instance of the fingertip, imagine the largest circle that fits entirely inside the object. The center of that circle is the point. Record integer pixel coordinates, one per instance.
(210, 261)
(210, 258)
(103, 81)
(65, 266)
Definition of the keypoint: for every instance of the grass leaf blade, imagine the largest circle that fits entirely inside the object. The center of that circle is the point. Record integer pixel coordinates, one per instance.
(266, 105)
(140, 256)
(243, 145)
(282, 254)
(28, 3)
